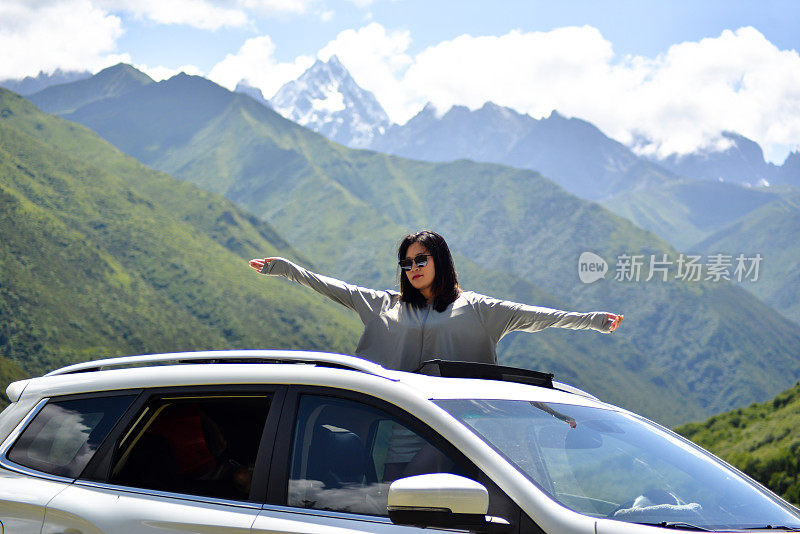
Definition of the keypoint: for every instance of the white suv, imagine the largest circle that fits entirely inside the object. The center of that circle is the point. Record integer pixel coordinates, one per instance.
(299, 442)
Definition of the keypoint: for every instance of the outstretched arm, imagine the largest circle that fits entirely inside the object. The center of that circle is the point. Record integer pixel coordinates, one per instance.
(501, 317)
(366, 302)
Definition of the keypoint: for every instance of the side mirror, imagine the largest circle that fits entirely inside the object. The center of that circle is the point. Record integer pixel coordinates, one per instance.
(442, 500)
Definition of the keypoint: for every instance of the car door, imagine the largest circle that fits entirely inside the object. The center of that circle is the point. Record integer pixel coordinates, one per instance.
(23, 500)
(186, 460)
(335, 456)
(49, 448)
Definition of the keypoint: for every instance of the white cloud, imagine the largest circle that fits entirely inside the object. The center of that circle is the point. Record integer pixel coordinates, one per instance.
(271, 7)
(533, 72)
(680, 101)
(202, 14)
(738, 81)
(82, 34)
(255, 63)
(207, 14)
(46, 35)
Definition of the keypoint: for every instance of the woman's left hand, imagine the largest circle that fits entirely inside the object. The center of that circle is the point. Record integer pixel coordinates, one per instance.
(258, 263)
(615, 321)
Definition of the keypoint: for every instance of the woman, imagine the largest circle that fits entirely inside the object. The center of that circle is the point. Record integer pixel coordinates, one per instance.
(432, 317)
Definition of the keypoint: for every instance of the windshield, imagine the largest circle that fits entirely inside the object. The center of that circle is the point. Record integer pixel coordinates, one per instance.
(608, 464)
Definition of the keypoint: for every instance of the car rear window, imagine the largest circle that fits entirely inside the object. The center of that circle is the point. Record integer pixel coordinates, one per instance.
(63, 436)
(193, 444)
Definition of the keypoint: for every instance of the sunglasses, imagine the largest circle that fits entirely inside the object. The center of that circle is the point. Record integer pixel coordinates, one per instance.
(421, 260)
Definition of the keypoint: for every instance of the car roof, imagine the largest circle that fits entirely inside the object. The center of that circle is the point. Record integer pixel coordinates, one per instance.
(439, 388)
(279, 367)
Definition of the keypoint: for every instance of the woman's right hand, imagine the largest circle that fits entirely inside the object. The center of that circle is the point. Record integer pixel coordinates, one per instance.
(258, 263)
(614, 321)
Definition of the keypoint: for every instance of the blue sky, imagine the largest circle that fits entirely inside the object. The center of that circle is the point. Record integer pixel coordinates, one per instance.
(634, 27)
(674, 73)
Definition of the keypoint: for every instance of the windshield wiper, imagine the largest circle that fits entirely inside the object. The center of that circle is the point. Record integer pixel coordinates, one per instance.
(774, 527)
(677, 525)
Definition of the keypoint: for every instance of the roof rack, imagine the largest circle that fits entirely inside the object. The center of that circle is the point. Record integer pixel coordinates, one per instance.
(572, 389)
(444, 368)
(230, 356)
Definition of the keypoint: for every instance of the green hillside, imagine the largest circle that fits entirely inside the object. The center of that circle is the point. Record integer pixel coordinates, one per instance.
(94, 265)
(246, 237)
(713, 344)
(684, 212)
(763, 440)
(720, 218)
(773, 231)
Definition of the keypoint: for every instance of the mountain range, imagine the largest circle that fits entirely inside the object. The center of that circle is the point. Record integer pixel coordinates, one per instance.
(572, 152)
(108, 83)
(329, 101)
(699, 347)
(30, 84)
(686, 211)
(742, 162)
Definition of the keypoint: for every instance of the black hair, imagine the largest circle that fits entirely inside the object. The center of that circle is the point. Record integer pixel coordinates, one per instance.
(445, 281)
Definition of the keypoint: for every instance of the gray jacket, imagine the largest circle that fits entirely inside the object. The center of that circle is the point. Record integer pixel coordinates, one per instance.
(400, 336)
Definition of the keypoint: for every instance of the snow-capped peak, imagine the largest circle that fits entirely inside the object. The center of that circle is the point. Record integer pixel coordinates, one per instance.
(326, 99)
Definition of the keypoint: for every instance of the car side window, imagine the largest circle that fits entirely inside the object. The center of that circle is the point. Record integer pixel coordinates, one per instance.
(345, 454)
(63, 436)
(200, 445)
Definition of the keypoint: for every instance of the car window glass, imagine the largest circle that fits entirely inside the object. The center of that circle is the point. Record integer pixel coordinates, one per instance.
(64, 435)
(611, 464)
(200, 445)
(345, 455)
